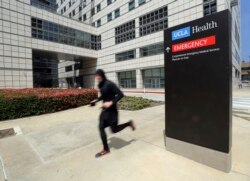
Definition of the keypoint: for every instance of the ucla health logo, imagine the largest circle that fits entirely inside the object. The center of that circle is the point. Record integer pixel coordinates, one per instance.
(181, 33)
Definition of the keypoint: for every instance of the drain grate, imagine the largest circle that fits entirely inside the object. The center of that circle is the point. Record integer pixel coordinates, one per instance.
(7, 133)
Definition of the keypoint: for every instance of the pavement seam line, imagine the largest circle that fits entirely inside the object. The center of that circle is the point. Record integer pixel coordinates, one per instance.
(35, 150)
(4, 173)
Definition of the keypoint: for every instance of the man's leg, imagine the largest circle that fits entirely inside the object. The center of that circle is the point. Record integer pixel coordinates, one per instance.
(102, 126)
(104, 139)
(115, 128)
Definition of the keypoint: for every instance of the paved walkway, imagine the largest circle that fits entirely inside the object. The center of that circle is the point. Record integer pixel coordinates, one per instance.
(241, 97)
(61, 147)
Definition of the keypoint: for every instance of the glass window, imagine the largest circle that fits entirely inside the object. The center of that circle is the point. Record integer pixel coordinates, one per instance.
(131, 5)
(117, 13)
(210, 7)
(153, 22)
(98, 24)
(92, 11)
(98, 8)
(50, 31)
(140, 2)
(154, 78)
(109, 2)
(127, 79)
(109, 17)
(50, 5)
(84, 17)
(152, 50)
(125, 55)
(68, 68)
(125, 32)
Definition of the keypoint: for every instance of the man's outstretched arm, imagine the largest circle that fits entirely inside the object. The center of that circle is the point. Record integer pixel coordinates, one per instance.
(92, 103)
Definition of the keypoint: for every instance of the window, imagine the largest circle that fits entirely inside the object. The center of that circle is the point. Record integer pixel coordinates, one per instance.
(125, 32)
(152, 50)
(117, 13)
(64, 9)
(237, 35)
(78, 65)
(92, 11)
(98, 24)
(80, 8)
(109, 2)
(210, 7)
(127, 79)
(69, 3)
(68, 68)
(49, 31)
(131, 5)
(70, 15)
(61, 11)
(154, 21)
(109, 17)
(84, 17)
(98, 8)
(73, 12)
(154, 78)
(141, 2)
(80, 18)
(125, 56)
(49, 5)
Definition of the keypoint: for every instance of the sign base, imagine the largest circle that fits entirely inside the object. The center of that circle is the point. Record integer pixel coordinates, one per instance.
(212, 158)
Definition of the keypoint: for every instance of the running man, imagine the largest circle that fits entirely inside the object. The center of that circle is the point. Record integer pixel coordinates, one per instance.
(110, 95)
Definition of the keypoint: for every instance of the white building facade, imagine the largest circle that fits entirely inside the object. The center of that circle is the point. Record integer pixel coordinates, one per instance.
(42, 48)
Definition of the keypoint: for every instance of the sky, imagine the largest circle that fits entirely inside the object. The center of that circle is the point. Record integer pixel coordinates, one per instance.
(245, 30)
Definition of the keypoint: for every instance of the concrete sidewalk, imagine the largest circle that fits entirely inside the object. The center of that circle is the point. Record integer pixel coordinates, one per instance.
(61, 147)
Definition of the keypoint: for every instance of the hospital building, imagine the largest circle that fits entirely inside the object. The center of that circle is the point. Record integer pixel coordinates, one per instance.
(60, 43)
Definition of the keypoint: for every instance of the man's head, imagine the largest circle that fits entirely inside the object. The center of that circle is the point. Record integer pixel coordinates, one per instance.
(100, 75)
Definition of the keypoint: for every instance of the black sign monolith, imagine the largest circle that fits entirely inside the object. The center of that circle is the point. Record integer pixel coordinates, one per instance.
(198, 70)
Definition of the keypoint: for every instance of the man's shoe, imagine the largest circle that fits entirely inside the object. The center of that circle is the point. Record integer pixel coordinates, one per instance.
(132, 125)
(102, 153)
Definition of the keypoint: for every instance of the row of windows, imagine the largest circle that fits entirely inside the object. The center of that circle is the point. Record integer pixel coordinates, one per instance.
(144, 52)
(127, 79)
(154, 21)
(152, 50)
(49, 5)
(246, 77)
(94, 10)
(131, 6)
(125, 32)
(76, 66)
(69, 4)
(109, 18)
(152, 78)
(125, 55)
(81, 7)
(49, 31)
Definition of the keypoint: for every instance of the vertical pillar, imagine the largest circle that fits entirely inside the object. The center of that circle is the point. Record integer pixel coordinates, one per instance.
(139, 80)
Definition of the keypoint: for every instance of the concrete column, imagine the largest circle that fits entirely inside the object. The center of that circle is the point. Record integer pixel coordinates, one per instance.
(139, 80)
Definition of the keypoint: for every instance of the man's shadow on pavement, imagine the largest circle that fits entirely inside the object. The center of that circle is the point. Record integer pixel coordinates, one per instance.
(118, 143)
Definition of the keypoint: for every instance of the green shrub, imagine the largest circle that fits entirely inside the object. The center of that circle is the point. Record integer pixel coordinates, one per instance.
(16, 103)
(135, 103)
